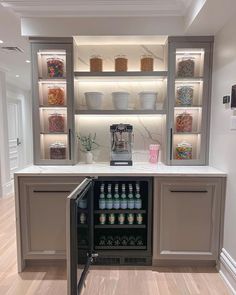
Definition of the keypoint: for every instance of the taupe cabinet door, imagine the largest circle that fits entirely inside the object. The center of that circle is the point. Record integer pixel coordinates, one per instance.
(43, 216)
(187, 218)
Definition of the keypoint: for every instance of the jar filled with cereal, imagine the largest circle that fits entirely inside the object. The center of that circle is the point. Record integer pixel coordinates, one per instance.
(121, 63)
(96, 63)
(147, 63)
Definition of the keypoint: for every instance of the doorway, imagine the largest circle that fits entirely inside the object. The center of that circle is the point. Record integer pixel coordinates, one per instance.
(14, 117)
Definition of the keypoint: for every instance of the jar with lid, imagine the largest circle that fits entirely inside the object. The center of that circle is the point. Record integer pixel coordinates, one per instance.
(146, 63)
(56, 123)
(184, 122)
(57, 151)
(55, 67)
(121, 63)
(183, 151)
(56, 95)
(186, 66)
(96, 63)
(184, 95)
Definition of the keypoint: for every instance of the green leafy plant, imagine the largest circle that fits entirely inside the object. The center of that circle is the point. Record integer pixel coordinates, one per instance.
(88, 142)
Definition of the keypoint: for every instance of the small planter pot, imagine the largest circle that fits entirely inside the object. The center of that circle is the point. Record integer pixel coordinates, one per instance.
(120, 100)
(89, 158)
(93, 100)
(147, 100)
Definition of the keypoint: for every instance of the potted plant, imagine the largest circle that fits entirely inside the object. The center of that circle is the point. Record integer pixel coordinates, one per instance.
(88, 144)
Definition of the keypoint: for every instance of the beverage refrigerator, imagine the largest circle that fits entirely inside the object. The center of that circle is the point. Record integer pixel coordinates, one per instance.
(109, 222)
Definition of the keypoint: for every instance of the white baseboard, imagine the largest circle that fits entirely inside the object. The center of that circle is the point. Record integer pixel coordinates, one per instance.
(227, 270)
(8, 189)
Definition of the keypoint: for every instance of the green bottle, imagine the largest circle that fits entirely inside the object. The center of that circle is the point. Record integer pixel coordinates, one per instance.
(116, 201)
(130, 197)
(123, 201)
(109, 200)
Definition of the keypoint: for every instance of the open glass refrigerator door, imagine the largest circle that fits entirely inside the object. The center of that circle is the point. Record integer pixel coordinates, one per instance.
(80, 254)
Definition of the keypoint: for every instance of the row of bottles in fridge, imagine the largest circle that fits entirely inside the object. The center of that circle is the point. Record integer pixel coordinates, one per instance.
(116, 200)
(120, 219)
(119, 241)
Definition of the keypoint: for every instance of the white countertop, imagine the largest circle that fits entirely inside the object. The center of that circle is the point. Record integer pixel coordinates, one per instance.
(138, 169)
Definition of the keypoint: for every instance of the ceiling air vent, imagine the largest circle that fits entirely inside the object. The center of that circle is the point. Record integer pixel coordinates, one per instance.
(12, 49)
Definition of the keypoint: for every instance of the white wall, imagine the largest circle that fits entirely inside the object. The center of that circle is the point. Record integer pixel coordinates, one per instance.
(223, 140)
(5, 181)
(9, 92)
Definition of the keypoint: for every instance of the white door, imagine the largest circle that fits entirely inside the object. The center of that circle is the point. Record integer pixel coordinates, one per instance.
(14, 136)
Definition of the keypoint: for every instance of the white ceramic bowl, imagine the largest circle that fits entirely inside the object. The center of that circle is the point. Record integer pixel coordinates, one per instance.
(147, 100)
(120, 100)
(93, 100)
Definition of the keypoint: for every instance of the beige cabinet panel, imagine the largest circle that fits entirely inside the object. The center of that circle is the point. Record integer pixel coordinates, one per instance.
(187, 219)
(42, 203)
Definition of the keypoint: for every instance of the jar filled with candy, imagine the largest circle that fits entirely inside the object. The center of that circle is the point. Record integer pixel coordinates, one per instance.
(55, 67)
(186, 67)
(184, 95)
(184, 122)
(56, 95)
(56, 123)
(57, 151)
(183, 151)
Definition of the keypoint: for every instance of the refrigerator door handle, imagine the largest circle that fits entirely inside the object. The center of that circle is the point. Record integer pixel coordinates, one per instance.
(90, 258)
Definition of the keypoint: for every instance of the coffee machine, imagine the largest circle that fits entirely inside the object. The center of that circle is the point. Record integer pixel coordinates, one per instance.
(121, 144)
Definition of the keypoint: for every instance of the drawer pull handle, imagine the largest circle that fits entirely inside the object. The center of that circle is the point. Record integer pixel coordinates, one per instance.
(51, 191)
(178, 191)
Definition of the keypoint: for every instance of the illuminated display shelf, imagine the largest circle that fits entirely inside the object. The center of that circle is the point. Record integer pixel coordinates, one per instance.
(120, 112)
(54, 148)
(189, 65)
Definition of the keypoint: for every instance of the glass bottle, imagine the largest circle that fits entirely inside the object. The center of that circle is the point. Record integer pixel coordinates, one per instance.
(109, 201)
(102, 202)
(116, 201)
(130, 197)
(123, 202)
(137, 200)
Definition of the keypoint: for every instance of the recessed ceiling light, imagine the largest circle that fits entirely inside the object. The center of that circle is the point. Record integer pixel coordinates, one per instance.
(27, 61)
(17, 76)
(1, 41)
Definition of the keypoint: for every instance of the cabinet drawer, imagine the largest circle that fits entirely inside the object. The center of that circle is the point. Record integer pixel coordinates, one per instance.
(186, 218)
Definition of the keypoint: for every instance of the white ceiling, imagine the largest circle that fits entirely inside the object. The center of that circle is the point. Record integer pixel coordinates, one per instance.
(101, 18)
(82, 8)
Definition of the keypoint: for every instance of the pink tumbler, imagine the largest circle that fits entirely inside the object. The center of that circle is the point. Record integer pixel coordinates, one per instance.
(153, 153)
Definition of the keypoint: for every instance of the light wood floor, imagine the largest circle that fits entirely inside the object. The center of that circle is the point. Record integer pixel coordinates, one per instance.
(105, 281)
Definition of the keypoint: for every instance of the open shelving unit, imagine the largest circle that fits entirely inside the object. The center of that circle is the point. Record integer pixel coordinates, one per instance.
(189, 78)
(52, 69)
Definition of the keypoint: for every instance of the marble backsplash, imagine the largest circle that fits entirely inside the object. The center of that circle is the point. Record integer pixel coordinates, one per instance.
(146, 129)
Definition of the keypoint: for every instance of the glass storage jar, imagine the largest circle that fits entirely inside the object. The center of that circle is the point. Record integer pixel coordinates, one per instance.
(56, 95)
(55, 67)
(147, 62)
(121, 63)
(186, 67)
(57, 151)
(184, 95)
(183, 151)
(96, 63)
(56, 123)
(184, 122)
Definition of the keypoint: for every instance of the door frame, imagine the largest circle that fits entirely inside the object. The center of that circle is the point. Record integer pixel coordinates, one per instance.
(21, 147)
